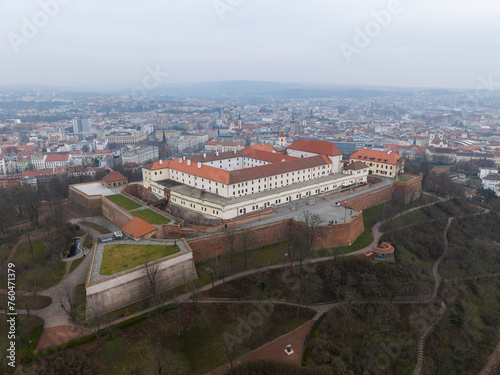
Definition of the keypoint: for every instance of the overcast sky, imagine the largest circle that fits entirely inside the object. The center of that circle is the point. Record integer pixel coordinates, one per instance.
(426, 43)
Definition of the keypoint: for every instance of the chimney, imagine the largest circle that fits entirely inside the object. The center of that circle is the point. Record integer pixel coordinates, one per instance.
(235, 151)
(274, 151)
(189, 162)
(183, 158)
(204, 156)
(282, 159)
(180, 160)
(216, 153)
(161, 161)
(199, 164)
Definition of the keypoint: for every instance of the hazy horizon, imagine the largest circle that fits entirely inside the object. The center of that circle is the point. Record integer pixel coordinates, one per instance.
(74, 44)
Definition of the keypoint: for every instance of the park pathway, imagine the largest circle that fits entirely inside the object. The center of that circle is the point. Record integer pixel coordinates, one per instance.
(57, 326)
(58, 330)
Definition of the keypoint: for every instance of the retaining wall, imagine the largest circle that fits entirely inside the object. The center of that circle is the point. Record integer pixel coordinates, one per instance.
(115, 213)
(269, 234)
(90, 205)
(127, 288)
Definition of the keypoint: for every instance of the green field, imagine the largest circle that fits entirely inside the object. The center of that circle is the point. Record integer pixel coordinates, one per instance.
(47, 272)
(95, 226)
(117, 258)
(151, 216)
(123, 202)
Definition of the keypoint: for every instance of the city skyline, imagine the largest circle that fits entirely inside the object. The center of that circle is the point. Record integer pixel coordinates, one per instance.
(375, 43)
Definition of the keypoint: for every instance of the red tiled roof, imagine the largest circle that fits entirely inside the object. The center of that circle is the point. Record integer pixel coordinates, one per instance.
(245, 174)
(41, 172)
(56, 158)
(271, 157)
(383, 248)
(205, 171)
(268, 170)
(315, 146)
(356, 166)
(114, 177)
(379, 156)
(264, 147)
(138, 227)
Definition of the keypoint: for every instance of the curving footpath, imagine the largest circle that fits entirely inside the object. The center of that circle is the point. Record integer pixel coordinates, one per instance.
(57, 328)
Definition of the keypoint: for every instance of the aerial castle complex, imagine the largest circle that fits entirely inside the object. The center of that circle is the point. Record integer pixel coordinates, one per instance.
(230, 184)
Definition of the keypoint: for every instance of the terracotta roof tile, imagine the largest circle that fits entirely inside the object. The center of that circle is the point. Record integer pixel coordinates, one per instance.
(56, 158)
(114, 177)
(380, 156)
(356, 166)
(268, 170)
(315, 146)
(138, 227)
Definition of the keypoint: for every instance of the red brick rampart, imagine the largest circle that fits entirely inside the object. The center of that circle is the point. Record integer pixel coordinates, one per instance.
(264, 235)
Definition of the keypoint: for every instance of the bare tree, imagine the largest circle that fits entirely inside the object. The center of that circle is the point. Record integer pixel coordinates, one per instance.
(31, 248)
(230, 239)
(151, 282)
(31, 202)
(97, 321)
(310, 224)
(293, 243)
(178, 316)
(210, 266)
(195, 293)
(412, 195)
(68, 303)
(33, 286)
(229, 342)
(8, 211)
(247, 239)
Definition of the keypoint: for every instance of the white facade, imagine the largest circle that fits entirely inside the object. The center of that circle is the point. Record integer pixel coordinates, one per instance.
(38, 161)
(483, 172)
(240, 182)
(231, 208)
(491, 181)
(52, 164)
(140, 155)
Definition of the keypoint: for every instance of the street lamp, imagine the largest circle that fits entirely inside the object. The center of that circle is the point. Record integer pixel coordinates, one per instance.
(286, 255)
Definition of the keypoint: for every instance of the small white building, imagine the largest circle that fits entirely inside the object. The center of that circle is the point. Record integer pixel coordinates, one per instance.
(491, 181)
(483, 172)
(359, 170)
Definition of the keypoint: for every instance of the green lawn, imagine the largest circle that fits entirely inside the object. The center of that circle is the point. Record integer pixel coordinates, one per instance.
(49, 273)
(404, 178)
(123, 202)
(151, 216)
(38, 302)
(75, 264)
(402, 221)
(117, 258)
(87, 242)
(95, 226)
